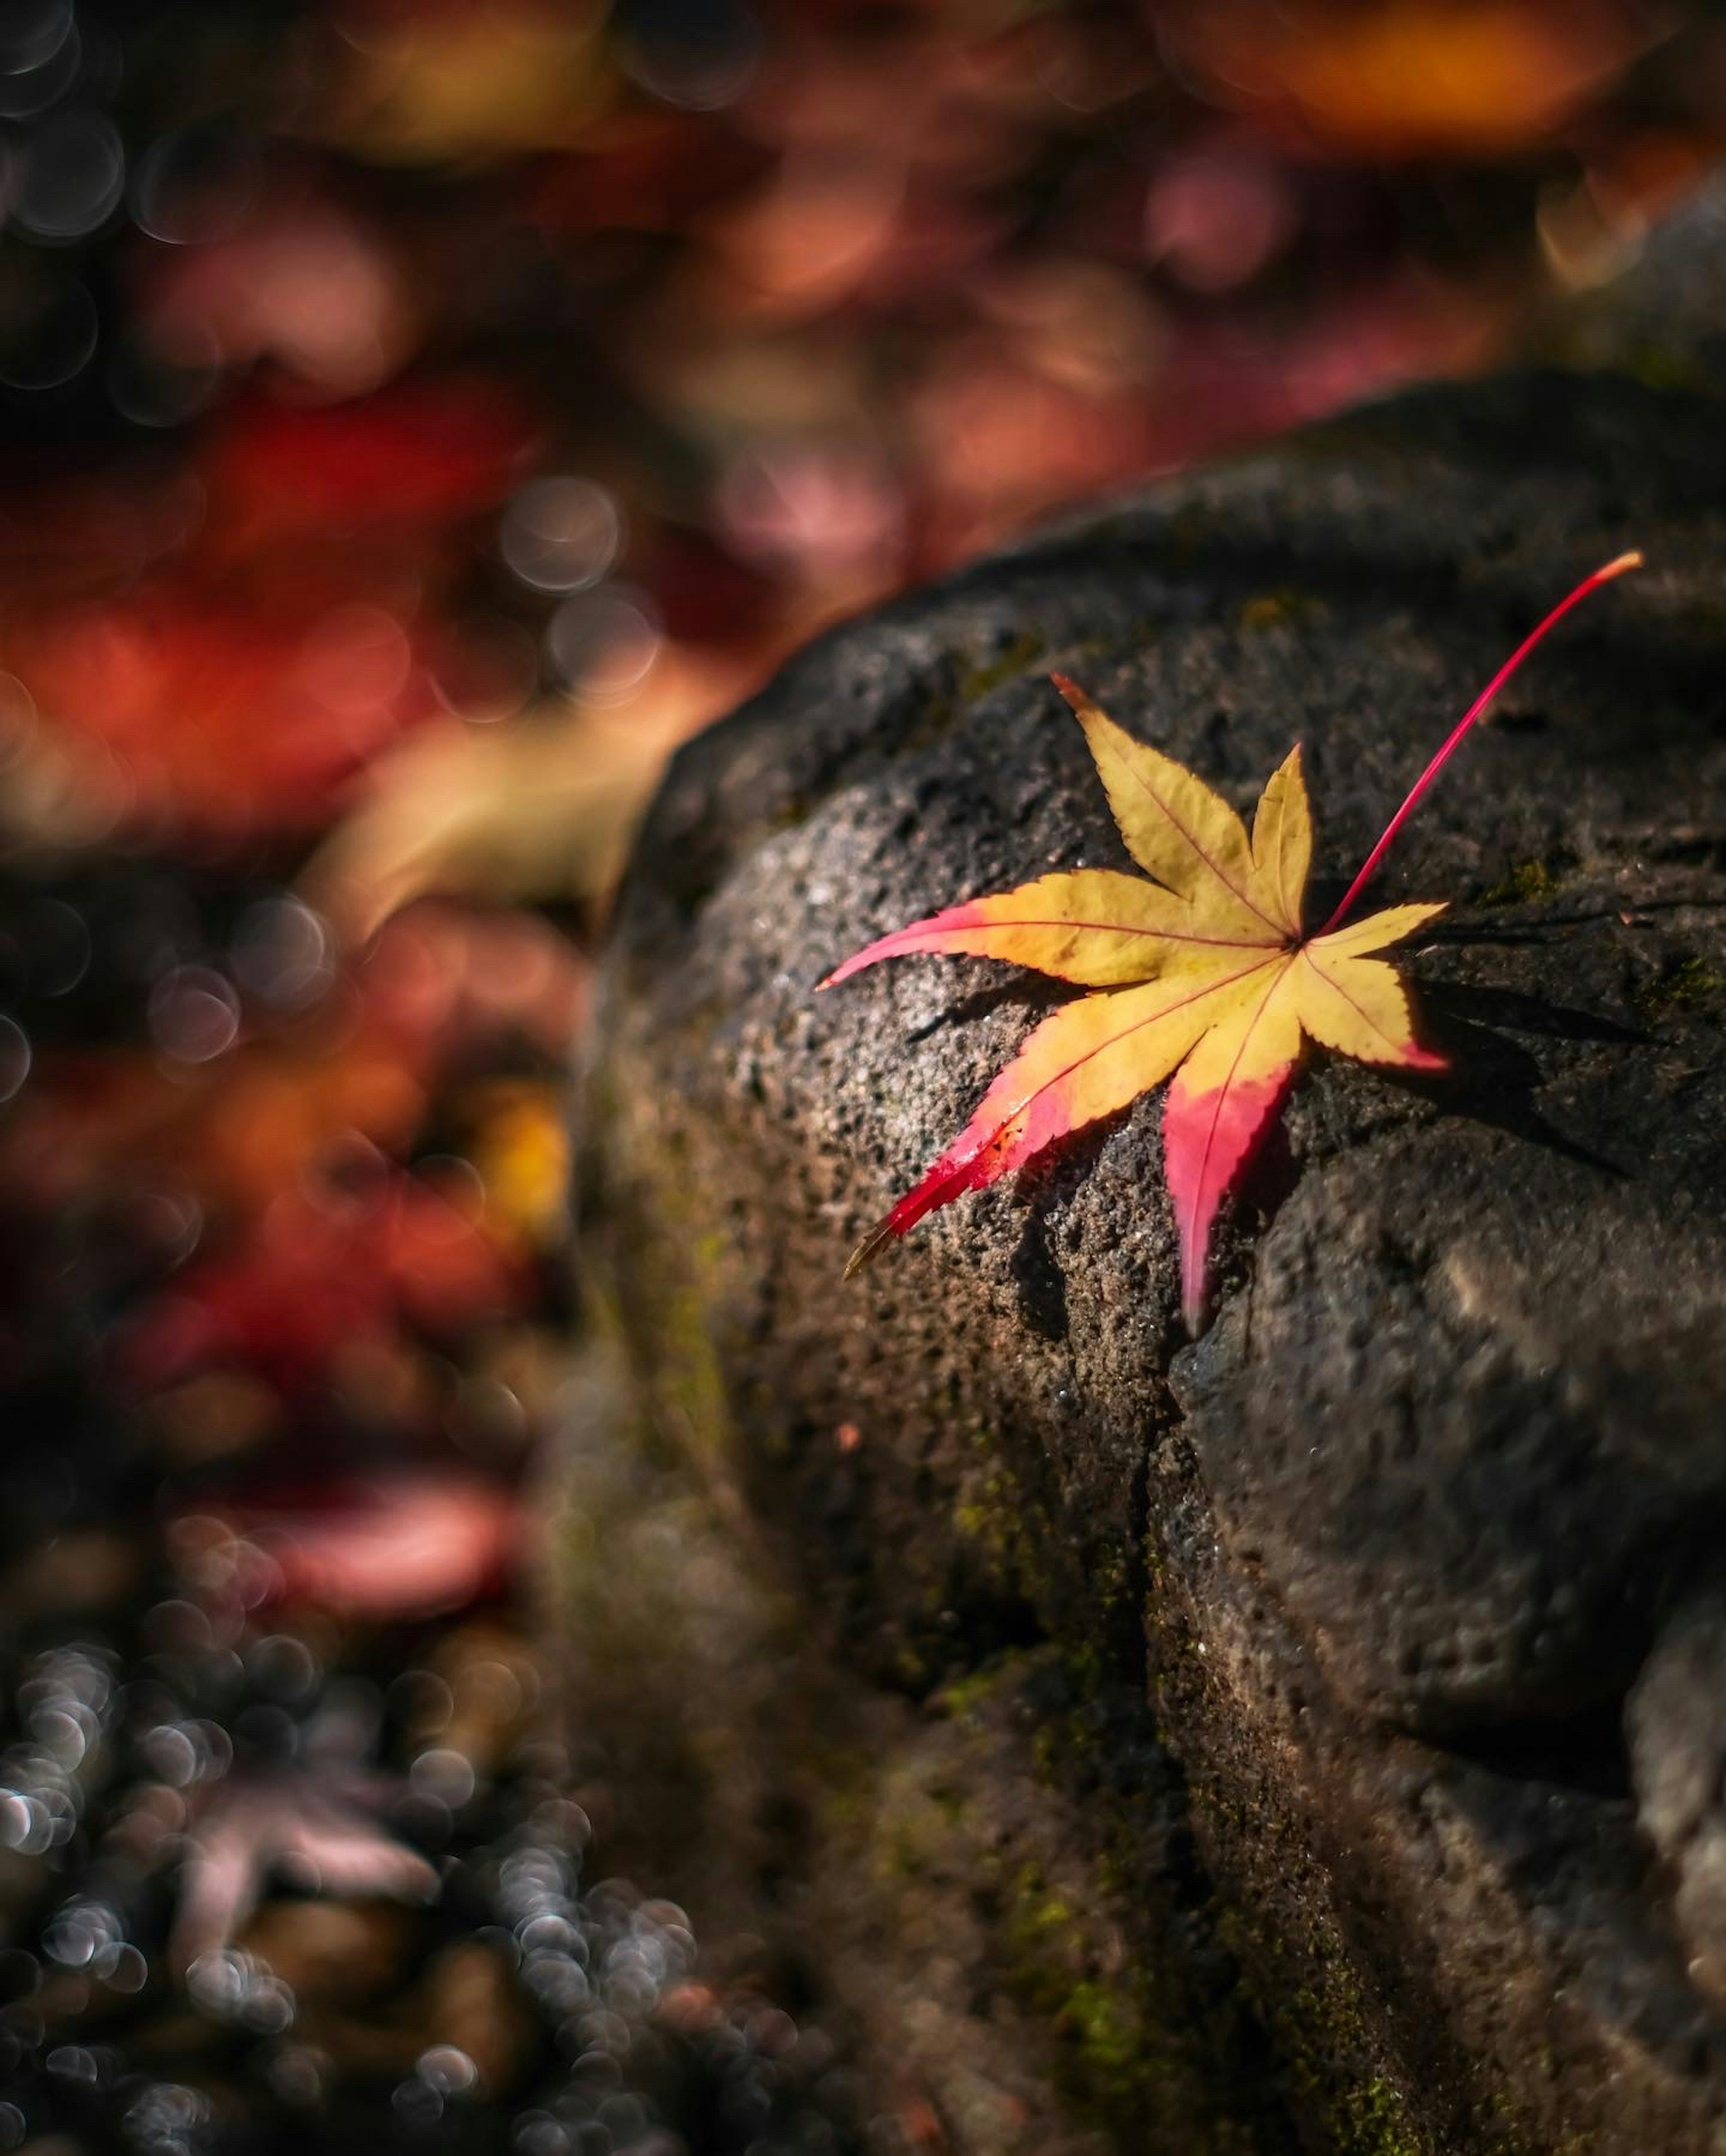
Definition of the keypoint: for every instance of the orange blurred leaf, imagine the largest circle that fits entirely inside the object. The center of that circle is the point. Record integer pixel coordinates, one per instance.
(1411, 78)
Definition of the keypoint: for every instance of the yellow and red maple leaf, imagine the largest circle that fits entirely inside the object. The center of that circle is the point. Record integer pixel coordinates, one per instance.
(1201, 971)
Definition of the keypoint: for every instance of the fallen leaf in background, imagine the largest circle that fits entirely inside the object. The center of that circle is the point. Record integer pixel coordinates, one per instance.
(315, 1831)
(291, 625)
(401, 466)
(301, 282)
(520, 1144)
(542, 810)
(424, 84)
(221, 718)
(1209, 977)
(396, 1546)
(341, 1089)
(1411, 78)
(231, 1135)
(323, 1273)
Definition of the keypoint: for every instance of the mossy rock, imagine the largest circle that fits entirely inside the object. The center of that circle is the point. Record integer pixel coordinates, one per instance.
(1384, 1555)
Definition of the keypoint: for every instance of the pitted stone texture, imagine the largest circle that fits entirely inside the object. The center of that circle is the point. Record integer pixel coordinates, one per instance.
(1469, 1417)
(1452, 1454)
(1677, 1722)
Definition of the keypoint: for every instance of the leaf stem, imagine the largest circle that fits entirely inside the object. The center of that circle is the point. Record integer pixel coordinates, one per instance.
(1453, 742)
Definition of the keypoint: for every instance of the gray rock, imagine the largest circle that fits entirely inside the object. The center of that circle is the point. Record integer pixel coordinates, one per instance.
(1676, 1725)
(1385, 1550)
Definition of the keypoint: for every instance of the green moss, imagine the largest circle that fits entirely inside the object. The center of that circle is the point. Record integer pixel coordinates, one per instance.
(970, 1694)
(951, 1805)
(1273, 609)
(1527, 882)
(1378, 2120)
(991, 1513)
(912, 1830)
(659, 1308)
(1111, 1578)
(1037, 1916)
(1296, 1977)
(1085, 1666)
(1021, 1555)
(1679, 988)
(1111, 2038)
(1088, 650)
(1320, 2025)
(603, 1310)
(977, 677)
(947, 1823)
(1669, 370)
(911, 1669)
(688, 1382)
(935, 721)
(1120, 2062)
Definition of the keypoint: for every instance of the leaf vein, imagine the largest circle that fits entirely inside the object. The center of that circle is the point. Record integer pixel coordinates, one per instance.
(1215, 867)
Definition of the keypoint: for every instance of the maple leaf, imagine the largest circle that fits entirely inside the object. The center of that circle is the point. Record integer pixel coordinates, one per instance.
(1203, 970)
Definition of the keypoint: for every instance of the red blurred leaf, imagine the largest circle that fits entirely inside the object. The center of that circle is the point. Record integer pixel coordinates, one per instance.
(395, 1547)
(418, 454)
(221, 719)
(322, 1274)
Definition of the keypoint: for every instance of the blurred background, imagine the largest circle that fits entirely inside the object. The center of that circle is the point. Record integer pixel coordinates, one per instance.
(417, 417)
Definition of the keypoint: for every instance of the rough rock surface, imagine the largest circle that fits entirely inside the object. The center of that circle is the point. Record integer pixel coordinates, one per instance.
(1386, 1552)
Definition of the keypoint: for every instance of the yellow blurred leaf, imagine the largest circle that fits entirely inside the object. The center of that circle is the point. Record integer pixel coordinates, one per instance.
(477, 81)
(541, 809)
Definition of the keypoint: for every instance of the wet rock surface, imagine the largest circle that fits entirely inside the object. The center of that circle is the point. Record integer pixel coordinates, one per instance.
(1386, 1552)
